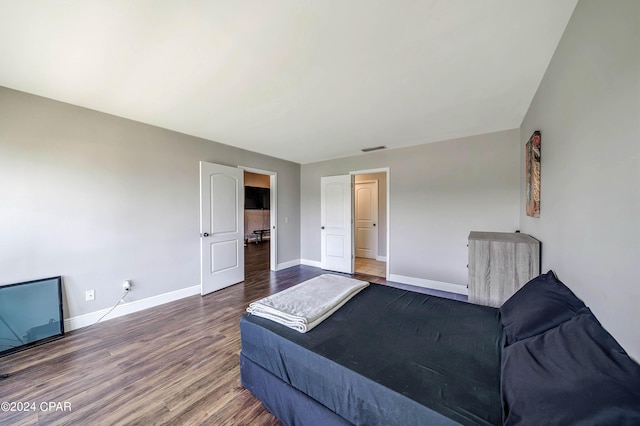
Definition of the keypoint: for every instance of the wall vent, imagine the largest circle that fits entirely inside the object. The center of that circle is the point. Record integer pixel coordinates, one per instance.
(374, 148)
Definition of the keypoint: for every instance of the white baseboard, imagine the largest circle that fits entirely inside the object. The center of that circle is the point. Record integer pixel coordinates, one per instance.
(288, 264)
(381, 258)
(313, 263)
(85, 320)
(434, 285)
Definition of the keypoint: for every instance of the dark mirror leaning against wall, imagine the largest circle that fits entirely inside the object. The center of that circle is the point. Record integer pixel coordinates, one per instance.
(30, 314)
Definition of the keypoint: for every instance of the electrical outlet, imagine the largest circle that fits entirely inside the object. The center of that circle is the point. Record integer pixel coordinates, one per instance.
(126, 286)
(90, 295)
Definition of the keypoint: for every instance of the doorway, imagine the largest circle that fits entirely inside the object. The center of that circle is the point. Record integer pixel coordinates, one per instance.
(260, 219)
(370, 223)
(337, 224)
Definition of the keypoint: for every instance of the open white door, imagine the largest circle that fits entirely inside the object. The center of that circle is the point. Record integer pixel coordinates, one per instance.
(221, 226)
(335, 217)
(366, 212)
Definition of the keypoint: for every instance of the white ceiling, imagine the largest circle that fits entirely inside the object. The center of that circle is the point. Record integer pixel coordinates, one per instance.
(300, 80)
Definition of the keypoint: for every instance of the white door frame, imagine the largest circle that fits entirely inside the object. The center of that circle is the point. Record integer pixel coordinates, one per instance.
(273, 213)
(385, 170)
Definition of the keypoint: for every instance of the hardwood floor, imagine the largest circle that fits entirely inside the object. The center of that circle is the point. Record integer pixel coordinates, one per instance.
(173, 364)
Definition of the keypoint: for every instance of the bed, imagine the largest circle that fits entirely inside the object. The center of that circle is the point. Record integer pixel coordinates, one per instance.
(395, 357)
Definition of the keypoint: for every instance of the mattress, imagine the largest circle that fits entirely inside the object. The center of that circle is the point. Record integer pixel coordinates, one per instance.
(390, 356)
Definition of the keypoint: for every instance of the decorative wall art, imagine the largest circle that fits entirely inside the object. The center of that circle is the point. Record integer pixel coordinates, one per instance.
(533, 175)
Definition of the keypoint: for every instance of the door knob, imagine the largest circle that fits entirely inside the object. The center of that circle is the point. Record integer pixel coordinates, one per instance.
(322, 227)
(206, 234)
(374, 224)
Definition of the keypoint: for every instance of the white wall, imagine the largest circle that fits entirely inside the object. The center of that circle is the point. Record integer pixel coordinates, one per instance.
(588, 110)
(99, 199)
(439, 192)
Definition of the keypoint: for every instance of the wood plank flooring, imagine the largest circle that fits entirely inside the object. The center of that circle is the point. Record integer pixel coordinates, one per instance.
(173, 364)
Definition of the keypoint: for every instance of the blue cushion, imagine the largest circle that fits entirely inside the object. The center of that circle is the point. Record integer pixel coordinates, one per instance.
(540, 305)
(573, 374)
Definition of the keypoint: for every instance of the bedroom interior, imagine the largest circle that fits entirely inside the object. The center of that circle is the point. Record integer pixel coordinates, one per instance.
(257, 218)
(98, 194)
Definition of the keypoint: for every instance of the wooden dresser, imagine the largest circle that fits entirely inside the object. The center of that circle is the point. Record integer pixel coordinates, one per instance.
(499, 264)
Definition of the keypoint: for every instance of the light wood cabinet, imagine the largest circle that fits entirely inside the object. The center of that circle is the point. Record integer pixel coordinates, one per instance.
(499, 264)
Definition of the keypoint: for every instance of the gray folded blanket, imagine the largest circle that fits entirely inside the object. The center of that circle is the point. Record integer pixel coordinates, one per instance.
(305, 305)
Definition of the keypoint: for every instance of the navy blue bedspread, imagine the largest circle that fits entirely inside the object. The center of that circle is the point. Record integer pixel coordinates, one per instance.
(390, 356)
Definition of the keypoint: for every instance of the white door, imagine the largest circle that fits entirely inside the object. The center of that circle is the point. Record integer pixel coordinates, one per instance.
(335, 218)
(221, 226)
(366, 219)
